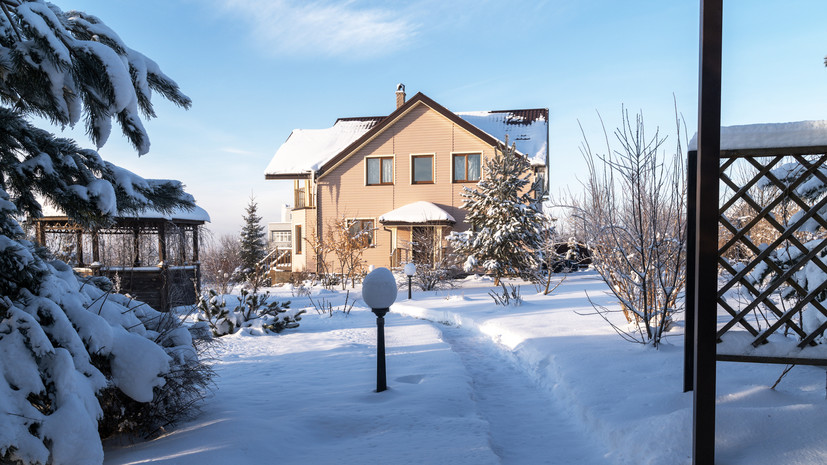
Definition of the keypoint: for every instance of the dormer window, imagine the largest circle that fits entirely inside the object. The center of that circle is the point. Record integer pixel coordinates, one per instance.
(379, 171)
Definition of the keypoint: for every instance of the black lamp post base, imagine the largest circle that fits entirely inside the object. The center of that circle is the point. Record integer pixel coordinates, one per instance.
(381, 378)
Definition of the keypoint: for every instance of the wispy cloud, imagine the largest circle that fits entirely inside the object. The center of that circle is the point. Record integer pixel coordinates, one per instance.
(336, 28)
(237, 151)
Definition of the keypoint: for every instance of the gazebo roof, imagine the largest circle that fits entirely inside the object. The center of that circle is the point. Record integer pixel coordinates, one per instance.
(197, 214)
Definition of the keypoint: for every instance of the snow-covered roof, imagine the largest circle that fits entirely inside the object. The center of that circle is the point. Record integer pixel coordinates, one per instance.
(306, 150)
(527, 129)
(417, 213)
(771, 135)
(196, 214)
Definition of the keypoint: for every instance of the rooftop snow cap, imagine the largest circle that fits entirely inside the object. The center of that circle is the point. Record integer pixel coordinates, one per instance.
(400, 95)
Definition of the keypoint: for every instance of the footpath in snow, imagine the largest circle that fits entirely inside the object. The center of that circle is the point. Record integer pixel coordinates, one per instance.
(474, 383)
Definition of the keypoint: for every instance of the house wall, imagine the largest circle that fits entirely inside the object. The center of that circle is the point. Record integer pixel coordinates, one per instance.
(306, 218)
(343, 191)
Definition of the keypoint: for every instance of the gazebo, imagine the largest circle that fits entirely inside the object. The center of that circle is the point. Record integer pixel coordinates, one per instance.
(152, 255)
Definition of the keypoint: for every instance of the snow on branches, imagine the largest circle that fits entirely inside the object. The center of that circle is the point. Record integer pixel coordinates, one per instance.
(506, 218)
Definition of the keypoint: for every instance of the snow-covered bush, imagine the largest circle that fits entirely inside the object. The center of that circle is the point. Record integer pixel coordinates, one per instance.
(252, 311)
(634, 219)
(510, 296)
(76, 358)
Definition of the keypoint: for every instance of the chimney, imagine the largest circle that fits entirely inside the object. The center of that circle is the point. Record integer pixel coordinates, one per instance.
(400, 95)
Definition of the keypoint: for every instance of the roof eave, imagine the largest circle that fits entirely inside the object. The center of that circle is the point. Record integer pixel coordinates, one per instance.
(304, 175)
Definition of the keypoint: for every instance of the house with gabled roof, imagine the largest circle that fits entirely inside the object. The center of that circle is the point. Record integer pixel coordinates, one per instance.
(399, 176)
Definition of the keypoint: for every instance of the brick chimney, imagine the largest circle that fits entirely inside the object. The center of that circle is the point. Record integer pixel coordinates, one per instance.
(400, 95)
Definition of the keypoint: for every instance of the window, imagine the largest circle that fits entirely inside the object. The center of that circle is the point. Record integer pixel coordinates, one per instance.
(362, 230)
(379, 170)
(467, 167)
(298, 240)
(423, 169)
(279, 236)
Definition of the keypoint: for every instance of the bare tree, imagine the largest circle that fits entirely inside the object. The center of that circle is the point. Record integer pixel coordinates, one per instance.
(219, 260)
(633, 213)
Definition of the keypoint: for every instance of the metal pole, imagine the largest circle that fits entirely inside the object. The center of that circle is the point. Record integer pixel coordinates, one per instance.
(381, 378)
(706, 253)
(409, 287)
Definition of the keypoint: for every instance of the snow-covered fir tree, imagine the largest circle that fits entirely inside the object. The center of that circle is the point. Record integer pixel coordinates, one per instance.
(65, 345)
(506, 218)
(253, 246)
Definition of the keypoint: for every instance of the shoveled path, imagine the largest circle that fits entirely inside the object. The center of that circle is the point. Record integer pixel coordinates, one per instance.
(525, 425)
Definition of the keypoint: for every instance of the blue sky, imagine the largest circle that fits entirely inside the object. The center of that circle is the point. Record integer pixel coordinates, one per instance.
(256, 69)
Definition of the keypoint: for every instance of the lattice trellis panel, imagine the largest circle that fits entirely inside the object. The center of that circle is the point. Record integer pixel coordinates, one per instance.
(773, 257)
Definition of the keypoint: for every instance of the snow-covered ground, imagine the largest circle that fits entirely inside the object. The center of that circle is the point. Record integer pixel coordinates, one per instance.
(474, 383)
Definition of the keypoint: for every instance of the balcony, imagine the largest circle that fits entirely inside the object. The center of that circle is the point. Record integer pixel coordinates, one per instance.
(302, 198)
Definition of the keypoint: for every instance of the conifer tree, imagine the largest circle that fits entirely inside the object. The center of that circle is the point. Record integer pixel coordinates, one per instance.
(506, 217)
(63, 343)
(253, 246)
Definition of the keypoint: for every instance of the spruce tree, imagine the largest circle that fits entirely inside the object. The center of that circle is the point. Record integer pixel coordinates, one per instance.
(506, 217)
(253, 245)
(64, 345)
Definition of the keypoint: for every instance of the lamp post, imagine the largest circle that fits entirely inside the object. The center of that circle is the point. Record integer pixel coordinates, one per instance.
(410, 271)
(379, 293)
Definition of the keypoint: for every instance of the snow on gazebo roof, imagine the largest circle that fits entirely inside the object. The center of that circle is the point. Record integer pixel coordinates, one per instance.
(771, 135)
(527, 129)
(420, 212)
(196, 214)
(306, 150)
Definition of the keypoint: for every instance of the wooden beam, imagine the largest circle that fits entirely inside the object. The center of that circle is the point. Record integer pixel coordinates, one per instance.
(706, 240)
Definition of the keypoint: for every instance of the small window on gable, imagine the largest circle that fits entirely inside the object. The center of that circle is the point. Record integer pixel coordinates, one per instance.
(467, 167)
(422, 169)
(379, 171)
(298, 237)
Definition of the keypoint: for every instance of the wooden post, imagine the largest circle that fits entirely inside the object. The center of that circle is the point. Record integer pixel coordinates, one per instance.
(95, 247)
(689, 312)
(136, 245)
(162, 242)
(195, 243)
(706, 252)
(79, 246)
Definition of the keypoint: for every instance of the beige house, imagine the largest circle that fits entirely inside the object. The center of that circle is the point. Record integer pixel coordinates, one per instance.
(398, 176)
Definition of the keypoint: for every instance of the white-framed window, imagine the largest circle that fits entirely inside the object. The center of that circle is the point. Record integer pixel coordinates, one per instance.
(379, 170)
(467, 167)
(422, 169)
(280, 236)
(363, 230)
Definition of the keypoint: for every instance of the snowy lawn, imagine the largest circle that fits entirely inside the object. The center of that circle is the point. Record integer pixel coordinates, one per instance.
(473, 383)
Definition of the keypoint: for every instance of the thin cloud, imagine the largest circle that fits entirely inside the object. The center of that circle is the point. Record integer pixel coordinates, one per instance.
(237, 151)
(327, 28)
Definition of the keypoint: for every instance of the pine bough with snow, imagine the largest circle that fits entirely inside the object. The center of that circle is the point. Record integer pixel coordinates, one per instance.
(75, 358)
(505, 216)
(253, 312)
